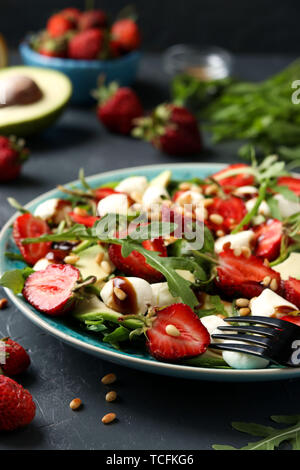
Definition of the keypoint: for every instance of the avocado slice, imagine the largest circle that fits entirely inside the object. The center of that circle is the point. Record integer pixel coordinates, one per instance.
(162, 180)
(22, 120)
(88, 265)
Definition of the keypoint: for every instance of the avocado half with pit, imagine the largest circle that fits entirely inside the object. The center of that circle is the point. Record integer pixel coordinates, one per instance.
(26, 119)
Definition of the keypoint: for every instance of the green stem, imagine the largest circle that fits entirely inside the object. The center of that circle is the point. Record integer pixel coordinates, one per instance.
(112, 317)
(204, 256)
(82, 246)
(246, 220)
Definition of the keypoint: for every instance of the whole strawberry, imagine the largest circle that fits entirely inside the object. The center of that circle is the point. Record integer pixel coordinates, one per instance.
(86, 45)
(172, 129)
(58, 25)
(118, 107)
(127, 34)
(12, 156)
(72, 14)
(92, 19)
(16, 358)
(17, 408)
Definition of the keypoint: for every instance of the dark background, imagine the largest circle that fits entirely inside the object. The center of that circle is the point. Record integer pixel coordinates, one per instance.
(256, 26)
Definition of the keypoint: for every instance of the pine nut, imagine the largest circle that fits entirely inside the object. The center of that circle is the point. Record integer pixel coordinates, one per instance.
(274, 284)
(244, 312)
(109, 418)
(99, 258)
(109, 379)
(106, 266)
(184, 186)
(246, 251)
(196, 189)
(171, 330)
(80, 211)
(211, 189)
(266, 281)
(111, 396)
(75, 404)
(120, 293)
(216, 219)
(242, 302)
(220, 233)
(208, 202)
(71, 259)
(3, 303)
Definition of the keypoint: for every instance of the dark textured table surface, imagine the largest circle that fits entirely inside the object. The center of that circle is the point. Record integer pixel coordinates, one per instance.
(154, 412)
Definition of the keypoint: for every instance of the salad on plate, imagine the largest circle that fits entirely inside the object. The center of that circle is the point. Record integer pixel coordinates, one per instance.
(157, 265)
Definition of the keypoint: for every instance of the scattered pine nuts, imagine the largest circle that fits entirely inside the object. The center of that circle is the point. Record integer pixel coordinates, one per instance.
(220, 233)
(274, 284)
(109, 418)
(120, 293)
(171, 330)
(266, 281)
(71, 259)
(99, 258)
(184, 186)
(211, 189)
(216, 219)
(242, 302)
(111, 396)
(75, 404)
(3, 303)
(244, 311)
(208, 202)
(106, 266)
(109, 379)
(80, 211)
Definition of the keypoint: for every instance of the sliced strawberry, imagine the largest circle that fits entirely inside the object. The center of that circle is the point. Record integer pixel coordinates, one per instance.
(291, 291)
(135, 264)
(51, 291)
(28, 226)
(176, 195)
(241, 275)
(268, 239)
(101, 193)
(232, 182)
(192, 340)
(292, 183)
(292, 319)
(232, 209)
(86, 220)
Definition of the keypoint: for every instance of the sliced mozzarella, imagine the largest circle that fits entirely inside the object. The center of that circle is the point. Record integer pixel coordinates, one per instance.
(266, 303)
(245, 190)
(154, 195)
(142, 289)
(162, 296)
(244, 361)
(47, 209)
(133, 183)
(211, 323)
(113, 204)
(189, 197)
(41, 264)
(263, 208)
(286, 207)
(237, 240)
(290, 267)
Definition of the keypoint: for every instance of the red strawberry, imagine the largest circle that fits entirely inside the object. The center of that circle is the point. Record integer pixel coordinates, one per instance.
(86, 220)
(292, 319)
(86, 45)
(118, 107)
(171, 129)
(268, 239)
(72, 14)
(17, 408)
(232, 209)
(16, 358)
(292, 183)
(28, 226)
(52, 291)
(239, 275)
(232, 182)
(58, 25)
(92, 19)
(127, 34)
(114, 49)
(12, 156)
(101, 193)
(135, 264)
(291, 291)
(192, 340)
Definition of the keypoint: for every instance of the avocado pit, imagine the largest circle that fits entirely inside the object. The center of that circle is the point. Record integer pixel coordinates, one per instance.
(19, 90)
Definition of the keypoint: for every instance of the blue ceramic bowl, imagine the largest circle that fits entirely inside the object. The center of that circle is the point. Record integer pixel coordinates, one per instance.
(84, 73)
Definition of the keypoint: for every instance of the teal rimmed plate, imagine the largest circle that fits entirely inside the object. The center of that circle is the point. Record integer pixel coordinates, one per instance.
(68, 332)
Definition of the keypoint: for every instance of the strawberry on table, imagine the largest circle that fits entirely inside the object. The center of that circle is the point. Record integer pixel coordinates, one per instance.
(17, 408)
(52, 291)
(16, 358)
(58, 25)
(292, 183)
(231, 210)
(86, 45)
(12, 156)
(118, 107)
(92, 19)
(172, 129)
(177, 333)
(291, 289)
(28, 226)
(231, 182)
(126, 34)
(268, 239)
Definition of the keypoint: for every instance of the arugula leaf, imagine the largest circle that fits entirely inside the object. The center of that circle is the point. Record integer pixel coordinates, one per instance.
(118, 335)
(254, 210)
(218, 306)
(287, 193)
(15, 279)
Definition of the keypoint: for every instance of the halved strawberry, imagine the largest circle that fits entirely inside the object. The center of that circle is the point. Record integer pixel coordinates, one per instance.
(101, 193)
(176, 195)
(292, 319)
(268, 239)
(239, 275)
(135, 264)
(292, 183)
(291, 291)
(232, 210)
(86, 220)
(191, 339)
(232, 182)
(28, 226)
(52, 291)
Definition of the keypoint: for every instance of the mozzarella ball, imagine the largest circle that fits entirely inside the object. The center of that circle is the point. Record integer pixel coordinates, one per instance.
(41, 264)
(211, 323)
(189, 197)
(263, 207)
(154, 195)
(46, 209)
(241, 361)
(162, 296)
(245, 191)
(265, 304)
(113, 204)
(237, 240)
(286, 207)
(133, 183)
